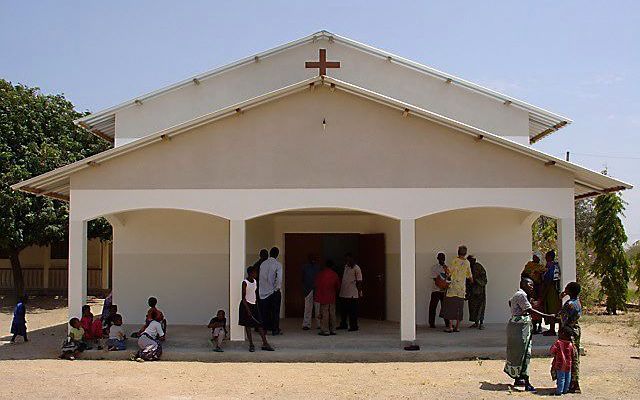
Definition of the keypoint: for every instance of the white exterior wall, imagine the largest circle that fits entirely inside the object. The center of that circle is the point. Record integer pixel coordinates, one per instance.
(180, 257)
(500, 239)
(287, 68)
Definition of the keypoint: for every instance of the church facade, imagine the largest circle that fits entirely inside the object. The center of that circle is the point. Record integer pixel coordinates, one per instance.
(322, 145)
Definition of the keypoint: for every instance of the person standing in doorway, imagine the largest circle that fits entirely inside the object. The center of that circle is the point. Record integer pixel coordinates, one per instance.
(441, 281)
(309, 272)
(477, 293)
(269, 291)
(350, 292)
(327, 285)
(460, 271)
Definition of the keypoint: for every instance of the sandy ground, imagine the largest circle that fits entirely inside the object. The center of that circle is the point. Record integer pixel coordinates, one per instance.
(610, 370)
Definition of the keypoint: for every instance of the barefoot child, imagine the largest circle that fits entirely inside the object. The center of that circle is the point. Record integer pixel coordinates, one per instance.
(74, 344)
(218, 326)
(563, 353)
(117, 338)
(249, 317)
(19, 323)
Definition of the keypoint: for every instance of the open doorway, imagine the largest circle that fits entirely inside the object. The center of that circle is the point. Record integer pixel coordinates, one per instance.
(368, 250)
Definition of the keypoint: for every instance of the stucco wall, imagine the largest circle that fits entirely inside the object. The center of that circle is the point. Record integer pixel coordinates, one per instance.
(499, 239)
(287, 68)
(180, 257)
(282, 145)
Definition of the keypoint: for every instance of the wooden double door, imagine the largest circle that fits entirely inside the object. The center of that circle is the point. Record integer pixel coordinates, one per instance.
(368, 251)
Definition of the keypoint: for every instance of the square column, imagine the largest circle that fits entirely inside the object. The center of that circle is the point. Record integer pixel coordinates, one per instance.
(567, 249)
(77, 287)
(237, 255)
(407, 280)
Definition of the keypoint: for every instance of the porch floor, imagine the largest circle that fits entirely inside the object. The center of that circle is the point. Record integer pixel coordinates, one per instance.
(377, 341)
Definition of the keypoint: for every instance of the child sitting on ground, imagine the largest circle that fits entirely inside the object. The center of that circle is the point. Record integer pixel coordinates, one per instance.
(563, 352)
(117, 338)
(74, 344)
(107, 320)
(152, 310)
(218, 326)
(92, 328)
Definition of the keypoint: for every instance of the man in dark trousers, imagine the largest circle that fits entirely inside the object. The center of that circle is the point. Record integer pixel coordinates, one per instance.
(269, 291)
(350, 292)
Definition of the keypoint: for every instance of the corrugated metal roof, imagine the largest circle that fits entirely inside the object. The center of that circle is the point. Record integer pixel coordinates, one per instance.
(541, 122)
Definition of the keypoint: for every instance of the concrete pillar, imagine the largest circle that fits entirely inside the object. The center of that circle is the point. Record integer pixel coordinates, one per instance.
(237, 264)
(567, 249)
(408, 280)
(77, 267)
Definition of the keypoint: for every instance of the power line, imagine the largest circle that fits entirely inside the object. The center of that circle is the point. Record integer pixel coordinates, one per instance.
(606, 156)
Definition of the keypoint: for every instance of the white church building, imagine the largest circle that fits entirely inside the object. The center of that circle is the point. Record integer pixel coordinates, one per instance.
(321, 145)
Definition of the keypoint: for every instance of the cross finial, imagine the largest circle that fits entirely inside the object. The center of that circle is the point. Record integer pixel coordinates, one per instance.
(322, 64)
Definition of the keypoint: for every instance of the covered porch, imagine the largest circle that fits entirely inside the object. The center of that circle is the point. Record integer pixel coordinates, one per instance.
(494, 223)
(377, 341)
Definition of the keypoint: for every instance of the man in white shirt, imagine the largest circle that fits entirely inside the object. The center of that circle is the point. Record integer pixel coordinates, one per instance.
(269, 292)
(350, 292)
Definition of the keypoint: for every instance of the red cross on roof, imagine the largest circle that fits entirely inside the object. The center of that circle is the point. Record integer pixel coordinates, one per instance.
(322, 63)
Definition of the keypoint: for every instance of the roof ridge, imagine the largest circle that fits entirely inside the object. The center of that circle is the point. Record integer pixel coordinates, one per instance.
(553, 120)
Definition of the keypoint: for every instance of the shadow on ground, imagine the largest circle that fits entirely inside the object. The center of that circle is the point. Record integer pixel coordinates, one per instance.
(43, 344)
(506, 387)
(35, 304)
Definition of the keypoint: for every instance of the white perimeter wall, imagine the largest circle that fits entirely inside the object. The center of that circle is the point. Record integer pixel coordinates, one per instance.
(180, 257)
(501, 240)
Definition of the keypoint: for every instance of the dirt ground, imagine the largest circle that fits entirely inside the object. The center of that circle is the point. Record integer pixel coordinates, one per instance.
(610, 370)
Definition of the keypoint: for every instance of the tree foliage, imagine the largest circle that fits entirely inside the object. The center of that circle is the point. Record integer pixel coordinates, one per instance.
(544, 234)
(611, 264)
(37, 135)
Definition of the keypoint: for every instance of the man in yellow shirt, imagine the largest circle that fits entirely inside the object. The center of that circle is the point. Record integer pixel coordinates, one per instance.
(459, 271)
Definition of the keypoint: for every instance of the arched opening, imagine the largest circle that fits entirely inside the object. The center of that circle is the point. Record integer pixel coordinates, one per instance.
(330, 233)
(500, 238)
(181, 257)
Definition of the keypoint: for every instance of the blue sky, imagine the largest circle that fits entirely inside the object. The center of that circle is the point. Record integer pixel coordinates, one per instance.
(580, 59)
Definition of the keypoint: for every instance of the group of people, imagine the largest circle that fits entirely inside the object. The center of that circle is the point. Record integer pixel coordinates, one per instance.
(86, 332)
(566, 350)
(259, 309)
(546, 289)
(538, 298)
(324, 290)
(464, 278)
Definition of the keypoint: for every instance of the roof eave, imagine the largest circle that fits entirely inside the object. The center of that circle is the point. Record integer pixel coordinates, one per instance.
(407, 108)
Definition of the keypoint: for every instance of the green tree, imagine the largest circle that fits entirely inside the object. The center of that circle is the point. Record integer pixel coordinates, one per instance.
(544, 234)
(611, 264)
(37, 135)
